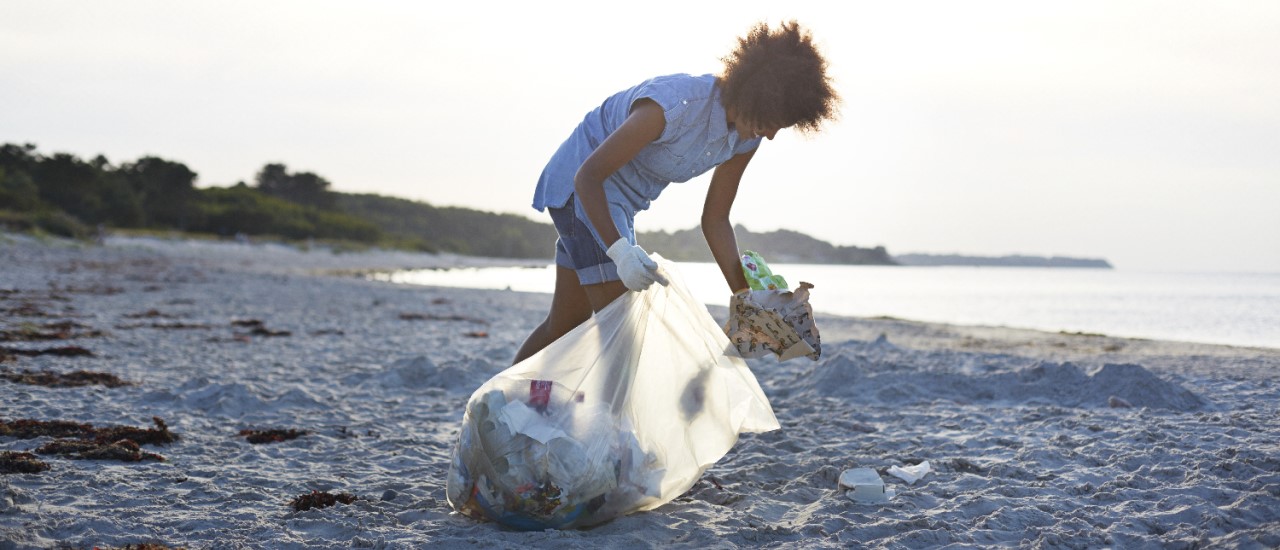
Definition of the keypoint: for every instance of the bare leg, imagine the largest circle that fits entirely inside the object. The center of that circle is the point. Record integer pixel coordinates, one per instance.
(604, 294)
(571, 304)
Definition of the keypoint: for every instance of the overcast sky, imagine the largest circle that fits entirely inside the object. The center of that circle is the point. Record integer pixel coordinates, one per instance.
(1147, 133)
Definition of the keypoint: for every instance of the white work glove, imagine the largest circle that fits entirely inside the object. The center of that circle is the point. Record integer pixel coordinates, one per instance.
(636, 269)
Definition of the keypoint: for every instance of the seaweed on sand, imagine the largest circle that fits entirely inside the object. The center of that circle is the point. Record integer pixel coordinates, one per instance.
(125, 450)
(68, 380)
(411, 316)
(149, 314)
(271, 436)
(264, 331)
(328, 331)
(257, 328)
(94, 289)
(320, 499)
(61, 330)
(27, 309)
(15, 462)
(159, 435)
(141, 546)
(61, 351)
(27, 428)
(178, 325)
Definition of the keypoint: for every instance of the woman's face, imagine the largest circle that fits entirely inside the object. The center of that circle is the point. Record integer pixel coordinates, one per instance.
(748, 129)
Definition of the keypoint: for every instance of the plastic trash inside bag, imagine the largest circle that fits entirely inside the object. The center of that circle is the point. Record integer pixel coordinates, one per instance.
(622, 414)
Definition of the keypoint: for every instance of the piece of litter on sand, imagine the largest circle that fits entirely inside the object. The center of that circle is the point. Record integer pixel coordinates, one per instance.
(910, 474)
(865, 486)
(1118, 403)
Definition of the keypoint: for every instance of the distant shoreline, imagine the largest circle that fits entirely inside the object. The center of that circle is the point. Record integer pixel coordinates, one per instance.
(1015, 260)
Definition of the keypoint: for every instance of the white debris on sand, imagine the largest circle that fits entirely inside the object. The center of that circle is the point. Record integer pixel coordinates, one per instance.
(1027, 433)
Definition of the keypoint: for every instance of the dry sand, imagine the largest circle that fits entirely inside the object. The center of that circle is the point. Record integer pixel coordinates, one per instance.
(1025, 447)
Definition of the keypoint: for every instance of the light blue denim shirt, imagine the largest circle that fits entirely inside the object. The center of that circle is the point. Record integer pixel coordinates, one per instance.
(696, 139)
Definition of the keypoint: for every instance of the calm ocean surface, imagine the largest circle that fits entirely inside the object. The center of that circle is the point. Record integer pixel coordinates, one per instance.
(1219, 308)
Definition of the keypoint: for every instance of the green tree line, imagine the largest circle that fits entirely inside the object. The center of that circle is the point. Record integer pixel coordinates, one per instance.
(781, 246)
(69, 196)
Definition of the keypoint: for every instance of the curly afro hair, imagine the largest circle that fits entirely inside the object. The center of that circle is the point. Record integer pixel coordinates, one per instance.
(778, 78)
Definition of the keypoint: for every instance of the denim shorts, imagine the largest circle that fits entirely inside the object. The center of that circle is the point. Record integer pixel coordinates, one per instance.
(579, 247)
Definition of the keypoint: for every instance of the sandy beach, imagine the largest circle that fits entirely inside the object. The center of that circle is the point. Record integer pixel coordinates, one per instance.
(1035, 439)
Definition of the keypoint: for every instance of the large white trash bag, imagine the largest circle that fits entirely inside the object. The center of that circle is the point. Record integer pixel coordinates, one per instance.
(622, 414)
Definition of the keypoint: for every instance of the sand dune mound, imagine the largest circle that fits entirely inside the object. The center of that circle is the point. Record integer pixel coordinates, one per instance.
(887, 374)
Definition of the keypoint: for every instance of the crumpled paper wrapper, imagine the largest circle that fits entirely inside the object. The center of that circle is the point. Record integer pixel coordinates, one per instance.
(778, 322)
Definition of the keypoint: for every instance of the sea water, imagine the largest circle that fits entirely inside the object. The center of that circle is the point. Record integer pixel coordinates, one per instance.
(1211, 307)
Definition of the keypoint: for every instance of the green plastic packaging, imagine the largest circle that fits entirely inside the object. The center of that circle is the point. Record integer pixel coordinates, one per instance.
(759, 276)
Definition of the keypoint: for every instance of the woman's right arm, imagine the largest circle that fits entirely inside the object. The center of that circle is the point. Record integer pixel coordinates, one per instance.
(643, 126)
